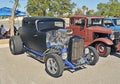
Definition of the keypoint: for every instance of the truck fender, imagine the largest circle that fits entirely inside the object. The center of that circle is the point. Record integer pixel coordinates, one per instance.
(104, 40)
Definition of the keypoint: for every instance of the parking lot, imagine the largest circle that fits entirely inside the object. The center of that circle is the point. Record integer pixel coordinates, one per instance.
(22, 69)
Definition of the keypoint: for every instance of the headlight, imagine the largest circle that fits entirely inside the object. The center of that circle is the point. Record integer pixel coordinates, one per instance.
(86, 50)
(69, 31)
(64, 56)
(112, 36)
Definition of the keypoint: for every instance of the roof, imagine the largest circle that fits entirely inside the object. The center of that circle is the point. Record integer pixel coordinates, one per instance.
(42, 18)
(111, 18)
(88, 17)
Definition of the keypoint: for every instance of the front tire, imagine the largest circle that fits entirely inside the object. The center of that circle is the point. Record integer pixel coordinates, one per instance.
(54, 65)
(103, 49)
(92, 56)
(16, 45)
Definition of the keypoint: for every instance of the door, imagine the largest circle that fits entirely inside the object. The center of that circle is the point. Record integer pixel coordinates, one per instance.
(78, 26)
(33, 39)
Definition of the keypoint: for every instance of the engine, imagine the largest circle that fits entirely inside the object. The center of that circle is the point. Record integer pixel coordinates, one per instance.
(58, 39)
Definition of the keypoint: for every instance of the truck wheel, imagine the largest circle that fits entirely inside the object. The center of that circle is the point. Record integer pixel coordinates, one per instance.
(92, 56)
(16, 45)
(54, 65)
(103, 49)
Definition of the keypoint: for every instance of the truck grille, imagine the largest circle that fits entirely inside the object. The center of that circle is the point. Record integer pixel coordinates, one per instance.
(75, 49)
(117, 39)
(117, 34)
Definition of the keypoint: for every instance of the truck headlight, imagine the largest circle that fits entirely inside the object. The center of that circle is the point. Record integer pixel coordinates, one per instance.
(112, 36)
(86, 50)
(64, 55)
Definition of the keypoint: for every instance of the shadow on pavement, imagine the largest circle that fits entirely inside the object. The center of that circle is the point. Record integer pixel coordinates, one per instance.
(116, 54)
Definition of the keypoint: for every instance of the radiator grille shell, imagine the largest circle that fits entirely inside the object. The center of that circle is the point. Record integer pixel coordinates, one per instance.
(117, 37)
(75, 49)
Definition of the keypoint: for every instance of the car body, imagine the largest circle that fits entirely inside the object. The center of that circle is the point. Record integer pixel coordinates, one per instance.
(47, 40)
(95, 34)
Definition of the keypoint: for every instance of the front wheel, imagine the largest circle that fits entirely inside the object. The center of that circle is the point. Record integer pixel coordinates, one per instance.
(54, 65)
(103, 49)
(92, 55)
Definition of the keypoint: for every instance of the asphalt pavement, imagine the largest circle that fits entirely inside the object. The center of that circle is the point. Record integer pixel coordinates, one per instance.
(22, 69)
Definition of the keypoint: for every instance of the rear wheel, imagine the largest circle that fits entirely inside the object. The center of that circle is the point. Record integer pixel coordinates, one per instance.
(103, 49)
(16, 45)
(54, 65)
(92, 56)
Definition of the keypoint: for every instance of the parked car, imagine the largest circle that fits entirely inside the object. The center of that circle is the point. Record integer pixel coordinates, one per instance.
(47, 40)
(95, 34)
(112, 22)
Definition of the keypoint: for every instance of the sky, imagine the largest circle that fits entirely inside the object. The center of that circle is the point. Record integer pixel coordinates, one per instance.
(91, 4)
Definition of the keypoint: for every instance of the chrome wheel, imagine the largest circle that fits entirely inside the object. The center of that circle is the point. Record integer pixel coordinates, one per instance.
(52, 66)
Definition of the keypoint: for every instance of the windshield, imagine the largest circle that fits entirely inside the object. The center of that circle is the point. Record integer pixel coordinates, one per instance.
(111, 22)
(108, 22)
(44, 25)
(94, 22)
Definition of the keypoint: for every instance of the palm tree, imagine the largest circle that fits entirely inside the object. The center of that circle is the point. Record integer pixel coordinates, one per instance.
(12, 18)
(90, 12)
(84, 8)
(78, 12)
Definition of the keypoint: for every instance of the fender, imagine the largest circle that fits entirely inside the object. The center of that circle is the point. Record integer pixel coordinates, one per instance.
(104, 40)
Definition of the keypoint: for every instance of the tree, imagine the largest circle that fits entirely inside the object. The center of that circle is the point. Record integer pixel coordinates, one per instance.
(85, 9)
(49, 7)
(65, 7)
(114, 8)
(103, 8)
(113, 1)
(78, 12)
(90, 12)
(12, 17)
(111, 8)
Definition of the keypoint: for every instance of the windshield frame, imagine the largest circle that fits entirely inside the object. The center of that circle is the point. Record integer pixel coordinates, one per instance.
(48, 27)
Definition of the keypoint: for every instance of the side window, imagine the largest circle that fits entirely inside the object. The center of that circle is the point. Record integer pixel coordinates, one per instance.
(72, 21)
(80, 22)
(28, 24)
(97, 22)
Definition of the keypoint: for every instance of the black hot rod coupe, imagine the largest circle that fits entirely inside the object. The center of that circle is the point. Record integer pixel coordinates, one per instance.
(47, 40)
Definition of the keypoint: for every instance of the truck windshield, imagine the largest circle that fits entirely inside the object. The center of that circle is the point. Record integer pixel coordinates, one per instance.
(95, 22)
(108, 22)
(44, 25)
